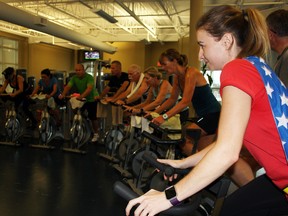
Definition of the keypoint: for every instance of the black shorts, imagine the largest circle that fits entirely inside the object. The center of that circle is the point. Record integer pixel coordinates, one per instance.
(209, 122)
(259, 197)
(184, 116)
(91, 108)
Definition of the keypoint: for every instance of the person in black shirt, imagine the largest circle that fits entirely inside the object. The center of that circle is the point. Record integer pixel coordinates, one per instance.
(118, 80)
(20, 92)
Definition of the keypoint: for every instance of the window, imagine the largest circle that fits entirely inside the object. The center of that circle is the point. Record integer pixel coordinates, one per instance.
(8, 54)
(215, 75)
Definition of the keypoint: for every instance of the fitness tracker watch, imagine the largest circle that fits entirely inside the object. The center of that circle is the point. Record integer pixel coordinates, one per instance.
(171, 195)
(165, 116)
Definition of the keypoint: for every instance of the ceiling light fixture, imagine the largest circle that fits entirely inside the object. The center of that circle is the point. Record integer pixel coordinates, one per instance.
(105, 16)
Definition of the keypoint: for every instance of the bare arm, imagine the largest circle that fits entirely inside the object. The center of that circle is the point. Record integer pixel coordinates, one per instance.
(124, 94)
(35, 90)
(146, 102)
(172, 99)
(190, 84)
(164, 90)
(86, 92)
(226, 150)
(54, 91)
(103, 93)
(215, 162)
(121, 89)
(20, 81)
(3, 88)
(65, 91)
(138, 94)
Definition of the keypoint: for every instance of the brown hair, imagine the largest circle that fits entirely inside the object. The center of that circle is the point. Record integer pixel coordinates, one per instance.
(172, 54)
(153, 72)
(248, 27)
(47, 72)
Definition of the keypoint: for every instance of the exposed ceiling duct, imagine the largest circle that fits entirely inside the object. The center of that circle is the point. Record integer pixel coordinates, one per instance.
(19, 17)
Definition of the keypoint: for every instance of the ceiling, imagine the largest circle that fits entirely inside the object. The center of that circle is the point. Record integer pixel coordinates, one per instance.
(147, 20)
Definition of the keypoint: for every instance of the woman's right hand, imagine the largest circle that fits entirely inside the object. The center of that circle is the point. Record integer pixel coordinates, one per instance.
(172, 163)
(158, 120)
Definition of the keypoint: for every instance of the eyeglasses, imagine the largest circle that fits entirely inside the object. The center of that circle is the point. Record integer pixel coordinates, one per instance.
(273, 31)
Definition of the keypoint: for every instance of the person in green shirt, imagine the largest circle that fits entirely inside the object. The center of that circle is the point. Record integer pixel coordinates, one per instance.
(84, 85)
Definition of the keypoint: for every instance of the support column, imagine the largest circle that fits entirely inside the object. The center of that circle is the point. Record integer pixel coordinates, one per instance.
(196, 11)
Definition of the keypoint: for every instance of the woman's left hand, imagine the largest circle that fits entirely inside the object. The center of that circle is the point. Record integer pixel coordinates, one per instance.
(151, 203)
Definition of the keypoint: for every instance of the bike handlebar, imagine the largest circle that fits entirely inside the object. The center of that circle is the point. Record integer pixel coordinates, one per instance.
(125, 192)
(166, 169)
(164, 130)
(158, 141)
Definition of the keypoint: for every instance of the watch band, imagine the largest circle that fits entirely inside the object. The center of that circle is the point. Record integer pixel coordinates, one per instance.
(165, 116)
(171, 195)
(174, 201)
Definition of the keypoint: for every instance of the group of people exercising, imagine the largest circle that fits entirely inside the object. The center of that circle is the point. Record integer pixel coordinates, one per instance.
(253, 113)
(250, 123)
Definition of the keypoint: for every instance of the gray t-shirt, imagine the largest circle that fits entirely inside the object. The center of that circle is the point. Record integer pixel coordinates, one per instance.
(281, 66)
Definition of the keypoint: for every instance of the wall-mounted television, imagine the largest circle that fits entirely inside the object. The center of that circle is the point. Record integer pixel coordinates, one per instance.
(91, 55)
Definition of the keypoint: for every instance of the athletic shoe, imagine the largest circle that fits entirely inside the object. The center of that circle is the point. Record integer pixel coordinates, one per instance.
(95, 137)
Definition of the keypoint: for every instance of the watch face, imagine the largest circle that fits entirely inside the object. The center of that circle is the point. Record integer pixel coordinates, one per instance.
(165, 116)
(170, 192)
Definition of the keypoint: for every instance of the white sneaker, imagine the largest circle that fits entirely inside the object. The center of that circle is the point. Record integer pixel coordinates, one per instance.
(95, 137)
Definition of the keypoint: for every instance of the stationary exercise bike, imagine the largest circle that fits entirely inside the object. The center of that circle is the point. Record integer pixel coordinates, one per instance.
(207, 202)
(112, 139)
(81, 130)
(17, 123)
(13, 128)
(47, 125)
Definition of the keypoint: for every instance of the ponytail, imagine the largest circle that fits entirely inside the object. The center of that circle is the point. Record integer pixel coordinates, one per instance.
(248, 27)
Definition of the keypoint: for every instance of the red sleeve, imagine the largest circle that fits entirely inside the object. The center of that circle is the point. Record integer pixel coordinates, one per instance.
(241, 74)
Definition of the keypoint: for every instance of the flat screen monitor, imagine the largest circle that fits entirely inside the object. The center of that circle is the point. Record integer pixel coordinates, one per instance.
(91, 55)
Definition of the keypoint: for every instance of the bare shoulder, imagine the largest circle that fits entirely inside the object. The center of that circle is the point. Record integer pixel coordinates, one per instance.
(193, 70)
(20, 78)
(196, 75)
(166, 82)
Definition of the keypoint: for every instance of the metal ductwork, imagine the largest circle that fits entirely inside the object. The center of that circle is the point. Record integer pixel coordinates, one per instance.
(19, 17)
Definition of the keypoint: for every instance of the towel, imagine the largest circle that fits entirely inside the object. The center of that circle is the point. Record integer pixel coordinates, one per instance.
(172, 123)
(135, 88)
(76, 103)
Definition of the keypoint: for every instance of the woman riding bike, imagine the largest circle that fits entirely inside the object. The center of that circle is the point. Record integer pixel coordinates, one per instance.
(20, 92)
(48, 85)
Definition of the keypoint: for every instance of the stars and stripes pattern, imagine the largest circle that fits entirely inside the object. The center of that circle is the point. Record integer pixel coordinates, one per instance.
(278, 98)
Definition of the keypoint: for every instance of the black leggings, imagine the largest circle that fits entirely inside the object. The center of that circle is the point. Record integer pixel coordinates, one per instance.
(22, 101)
(260, 197)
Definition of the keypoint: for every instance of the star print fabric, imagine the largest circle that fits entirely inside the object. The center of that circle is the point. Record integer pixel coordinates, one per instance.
(278, 98)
